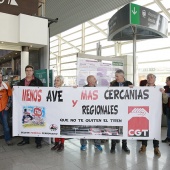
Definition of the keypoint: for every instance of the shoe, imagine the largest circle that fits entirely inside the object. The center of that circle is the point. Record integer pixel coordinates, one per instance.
(112, 150)
(157, 152)
(117, 141)
(22, 143)
(55, 147)
(9, 143)
(142, 149)
(98, 147)
(39, 146)
(166, 140)
(126, 149)
(61, 147)
(83, 147)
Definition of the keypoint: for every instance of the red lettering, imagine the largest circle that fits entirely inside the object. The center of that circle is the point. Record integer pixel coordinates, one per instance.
(31, 95)
(24, 93)
(84, 95)
(95, 94)
(89, 95)
(39, 95)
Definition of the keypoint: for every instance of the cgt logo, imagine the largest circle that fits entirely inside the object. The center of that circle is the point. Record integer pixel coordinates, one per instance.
(10, 2)
(138, 125)
(53, 127)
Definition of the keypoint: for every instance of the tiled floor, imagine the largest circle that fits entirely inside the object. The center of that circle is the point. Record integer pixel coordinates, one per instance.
(29, 158)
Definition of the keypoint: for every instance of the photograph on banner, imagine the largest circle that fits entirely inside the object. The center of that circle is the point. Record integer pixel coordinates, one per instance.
(33, 116)
(91, 131)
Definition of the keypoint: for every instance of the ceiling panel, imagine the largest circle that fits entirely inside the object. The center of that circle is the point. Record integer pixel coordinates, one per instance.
(74, 12)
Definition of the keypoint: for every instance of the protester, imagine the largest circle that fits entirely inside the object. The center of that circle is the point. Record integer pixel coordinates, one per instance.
(30, 80)
(5, 104)
(151, 78)
(59, 142)
(120, 82)
(166, 109)
(91, 82)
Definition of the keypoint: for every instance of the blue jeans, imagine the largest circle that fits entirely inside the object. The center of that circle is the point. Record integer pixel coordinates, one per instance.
(4, 120)
(168, 121)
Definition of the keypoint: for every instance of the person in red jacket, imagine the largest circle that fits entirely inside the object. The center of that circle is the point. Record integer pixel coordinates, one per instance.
(59, 142)
(5, 103)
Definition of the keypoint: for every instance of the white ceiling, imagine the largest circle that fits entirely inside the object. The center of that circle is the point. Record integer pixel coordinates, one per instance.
(74, 12)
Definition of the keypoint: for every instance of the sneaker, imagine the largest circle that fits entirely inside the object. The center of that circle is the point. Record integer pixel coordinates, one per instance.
(22, 143)
(83, 147)
(112, 150)
(142, 149)
(61, 147)
(55, 147)
(166, 140)
(98, 147)
(9, 143)
(157, 151)
(38, 146)
(126, 149)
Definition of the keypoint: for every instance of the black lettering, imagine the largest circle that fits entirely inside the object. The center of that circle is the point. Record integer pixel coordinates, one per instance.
(59, 96)
(49, 96)
(145, 93)
(116, 92)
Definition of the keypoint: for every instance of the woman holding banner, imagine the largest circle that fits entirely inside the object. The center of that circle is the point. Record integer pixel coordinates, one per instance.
(59, 142)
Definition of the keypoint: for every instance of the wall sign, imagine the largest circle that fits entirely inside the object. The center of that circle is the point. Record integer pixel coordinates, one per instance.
(15, 7)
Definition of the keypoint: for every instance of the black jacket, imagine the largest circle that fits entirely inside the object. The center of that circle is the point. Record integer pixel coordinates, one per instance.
(125, 83)
(34, 82)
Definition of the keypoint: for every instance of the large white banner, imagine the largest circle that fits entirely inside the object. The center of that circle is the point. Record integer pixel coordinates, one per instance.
(88, 112)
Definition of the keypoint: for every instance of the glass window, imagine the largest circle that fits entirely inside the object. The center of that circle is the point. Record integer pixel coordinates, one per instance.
(68, 73)
(53, 38)
(91, 46)
(108, 51)
(94, 37)
(65, 46)
(103, 25)
(54, 49)
(72, 30)
(69, 51)
(68, 66)
(76, 42)
(90, 30)
(54, 43)
(52, 56)
(52, 62)
(92, 52)
(166, 3)
(87, 24)
(69, 59)
(73, 36)
(106, 43)
(156, 55)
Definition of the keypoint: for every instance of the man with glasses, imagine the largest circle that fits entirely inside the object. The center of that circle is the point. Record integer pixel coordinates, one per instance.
(120, 82)
(30, 80)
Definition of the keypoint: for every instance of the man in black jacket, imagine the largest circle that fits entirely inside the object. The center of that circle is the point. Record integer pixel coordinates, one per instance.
(120, 81)
(30, 80)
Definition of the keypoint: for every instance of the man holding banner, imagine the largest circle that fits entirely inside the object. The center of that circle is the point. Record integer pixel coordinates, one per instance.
(30, 80)
(120, 81)
(151, 78)
(91, 80)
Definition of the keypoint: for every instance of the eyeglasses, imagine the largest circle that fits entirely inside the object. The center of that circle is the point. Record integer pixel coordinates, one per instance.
(28, 70)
